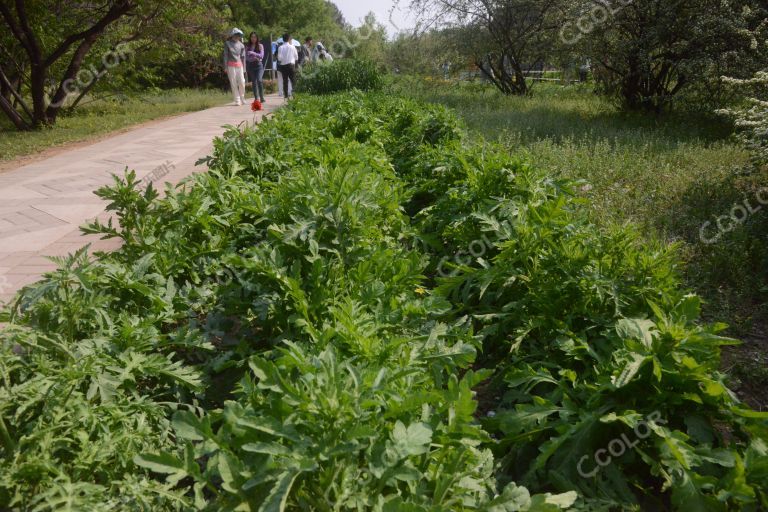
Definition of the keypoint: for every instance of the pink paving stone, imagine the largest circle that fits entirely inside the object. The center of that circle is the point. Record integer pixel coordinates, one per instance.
(61, 248)
(14, 258)
(45, 203)
(38, 260)
(19, 280)
(34, 275)
(11, 232)
(34, 240)
(17, 218)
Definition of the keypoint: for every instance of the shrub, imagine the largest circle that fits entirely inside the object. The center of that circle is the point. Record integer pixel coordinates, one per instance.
(752, 120)
(282, 333)
(340, 75)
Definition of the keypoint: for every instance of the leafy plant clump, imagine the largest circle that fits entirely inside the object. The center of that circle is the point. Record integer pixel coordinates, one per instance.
(341, 75)
(383, 317)
(752, 120)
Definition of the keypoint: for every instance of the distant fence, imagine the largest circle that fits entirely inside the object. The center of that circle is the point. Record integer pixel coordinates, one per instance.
(550, 75)
(541, 76)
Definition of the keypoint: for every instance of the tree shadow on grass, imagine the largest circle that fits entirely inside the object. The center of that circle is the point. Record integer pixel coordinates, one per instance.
(577, 114)
(724, 224)
(620, 128)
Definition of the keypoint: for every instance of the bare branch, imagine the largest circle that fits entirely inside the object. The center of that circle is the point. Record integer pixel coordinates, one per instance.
(4, 79)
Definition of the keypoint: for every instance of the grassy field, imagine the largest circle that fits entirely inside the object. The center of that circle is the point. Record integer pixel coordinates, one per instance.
(668, 175)
(100, 117)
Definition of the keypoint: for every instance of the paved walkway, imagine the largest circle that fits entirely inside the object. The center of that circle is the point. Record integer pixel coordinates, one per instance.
(43, 204)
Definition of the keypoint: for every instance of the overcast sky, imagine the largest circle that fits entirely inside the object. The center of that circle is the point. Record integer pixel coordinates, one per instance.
(355, 10)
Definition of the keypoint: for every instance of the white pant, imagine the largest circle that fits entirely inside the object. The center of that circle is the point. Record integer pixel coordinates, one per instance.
(237, 82)
(280, 85)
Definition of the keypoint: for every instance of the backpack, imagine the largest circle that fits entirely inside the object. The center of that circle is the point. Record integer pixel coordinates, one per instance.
(303, 55)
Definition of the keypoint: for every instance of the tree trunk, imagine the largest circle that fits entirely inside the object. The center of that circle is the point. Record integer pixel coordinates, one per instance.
(40, 64)
(495, 68)
(37, 89)
(631, 86)
(57, 101)
(11, 92)
(13, 115)
(85, 90)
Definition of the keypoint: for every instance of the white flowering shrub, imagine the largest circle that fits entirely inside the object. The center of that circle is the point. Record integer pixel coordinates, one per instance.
(752, 118)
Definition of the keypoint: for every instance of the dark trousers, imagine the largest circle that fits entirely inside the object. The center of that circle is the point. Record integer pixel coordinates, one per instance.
(255, 76)
(289, 75)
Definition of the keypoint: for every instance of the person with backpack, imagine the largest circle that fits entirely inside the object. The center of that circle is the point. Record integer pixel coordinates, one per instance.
(234, 63)
(305, 52)
(322, 54)
(287, 58)
(254, 65)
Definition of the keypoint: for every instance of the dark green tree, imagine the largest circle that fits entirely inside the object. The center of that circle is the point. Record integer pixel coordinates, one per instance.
(316, 18)
(648, 51)
(52, 53)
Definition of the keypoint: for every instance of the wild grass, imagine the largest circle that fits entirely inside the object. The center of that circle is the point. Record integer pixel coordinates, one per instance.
(101, 116)
(669, 175)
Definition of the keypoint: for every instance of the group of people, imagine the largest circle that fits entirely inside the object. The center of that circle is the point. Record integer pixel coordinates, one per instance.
(249, 58)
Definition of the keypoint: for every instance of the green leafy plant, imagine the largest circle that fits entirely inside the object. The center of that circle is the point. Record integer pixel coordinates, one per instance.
(341, 75)
(293, 330)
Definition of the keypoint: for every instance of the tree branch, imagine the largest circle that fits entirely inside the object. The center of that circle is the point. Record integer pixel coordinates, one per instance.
(11, 22)
(34, 48)
(13, 115)
(15, 93)
(82, 50)
(114, 13)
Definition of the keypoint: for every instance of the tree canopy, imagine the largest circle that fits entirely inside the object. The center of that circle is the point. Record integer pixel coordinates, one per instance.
(644, 52)
(316, 18)
(650, 51)
(53, 53)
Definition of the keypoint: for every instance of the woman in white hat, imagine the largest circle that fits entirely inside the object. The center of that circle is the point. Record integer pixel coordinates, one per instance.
(234, 63)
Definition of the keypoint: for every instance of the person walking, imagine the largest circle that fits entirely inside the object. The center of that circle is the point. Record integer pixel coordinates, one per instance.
(234, 63)
(276, 61)
(305, 55)
(584, 70)
(287, 56)
(322, 53)
(254, 65)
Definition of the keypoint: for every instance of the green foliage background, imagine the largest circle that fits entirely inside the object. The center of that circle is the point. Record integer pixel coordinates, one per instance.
(294, 330)
(339, 76)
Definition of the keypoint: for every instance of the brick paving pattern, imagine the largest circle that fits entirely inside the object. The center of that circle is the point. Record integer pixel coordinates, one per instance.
(43, 204)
